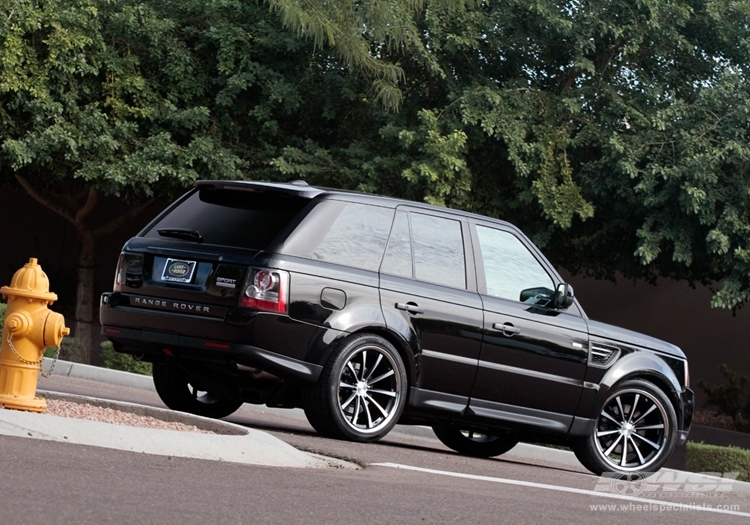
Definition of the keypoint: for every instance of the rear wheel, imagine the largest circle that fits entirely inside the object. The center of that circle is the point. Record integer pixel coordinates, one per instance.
(477, 444)
(636, 431)
(361, 392)
(181, 392)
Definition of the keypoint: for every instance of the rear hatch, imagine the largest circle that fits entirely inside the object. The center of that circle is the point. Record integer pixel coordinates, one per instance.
(194, 258)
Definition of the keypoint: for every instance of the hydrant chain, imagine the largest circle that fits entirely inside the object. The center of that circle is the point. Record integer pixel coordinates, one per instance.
(54, 362)
(40, 362)
(19, 356)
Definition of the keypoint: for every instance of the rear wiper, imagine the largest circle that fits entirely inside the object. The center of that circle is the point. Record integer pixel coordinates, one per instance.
(181, 233)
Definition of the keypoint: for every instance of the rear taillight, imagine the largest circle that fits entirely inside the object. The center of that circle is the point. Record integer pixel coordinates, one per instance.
(129, 271)
(117, 286)
(266, 290)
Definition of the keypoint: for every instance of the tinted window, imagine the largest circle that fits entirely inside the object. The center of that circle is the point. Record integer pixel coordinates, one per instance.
(232, 217)
(357, 238)
(398, 254)
(510, 268)
(438, 250)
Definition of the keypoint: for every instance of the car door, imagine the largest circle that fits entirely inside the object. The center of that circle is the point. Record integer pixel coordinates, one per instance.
(428, 294)
(533, 357)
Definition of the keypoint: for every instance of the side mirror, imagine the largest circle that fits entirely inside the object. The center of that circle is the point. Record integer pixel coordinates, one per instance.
(563, 297)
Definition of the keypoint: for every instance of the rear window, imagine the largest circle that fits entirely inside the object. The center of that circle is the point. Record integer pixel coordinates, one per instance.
(233, 217)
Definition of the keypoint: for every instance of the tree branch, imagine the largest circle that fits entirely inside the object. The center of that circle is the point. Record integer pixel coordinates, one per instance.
(572, 76)
(122, 219)
(91, 199)
(44, 201)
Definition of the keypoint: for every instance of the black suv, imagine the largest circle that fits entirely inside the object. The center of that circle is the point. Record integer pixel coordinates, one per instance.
(368, 311)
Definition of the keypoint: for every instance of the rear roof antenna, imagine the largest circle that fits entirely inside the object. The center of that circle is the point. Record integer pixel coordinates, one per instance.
(298, 183)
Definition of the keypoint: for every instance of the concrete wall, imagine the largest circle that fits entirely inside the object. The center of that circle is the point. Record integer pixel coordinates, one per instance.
(671, 310)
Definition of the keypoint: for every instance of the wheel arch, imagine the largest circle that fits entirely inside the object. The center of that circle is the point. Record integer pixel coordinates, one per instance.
(639, 365)
(400, 344)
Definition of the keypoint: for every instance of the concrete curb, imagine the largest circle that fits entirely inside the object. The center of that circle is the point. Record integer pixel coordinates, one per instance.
(96, 373)
(228, 442)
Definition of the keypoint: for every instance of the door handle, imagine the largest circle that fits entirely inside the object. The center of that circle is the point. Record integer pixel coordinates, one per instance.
(412, 308)
(507, 329)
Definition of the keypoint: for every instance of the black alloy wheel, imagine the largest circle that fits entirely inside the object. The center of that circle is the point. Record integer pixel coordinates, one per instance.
(185, 394)
(361, 392)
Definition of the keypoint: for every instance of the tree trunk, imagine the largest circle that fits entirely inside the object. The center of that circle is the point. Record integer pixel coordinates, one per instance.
(75, 208)
(84, 316)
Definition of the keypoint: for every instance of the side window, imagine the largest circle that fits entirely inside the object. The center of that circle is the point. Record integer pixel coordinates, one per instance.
(398, 259)
(438, 250)
(511, 271)
(357, 238)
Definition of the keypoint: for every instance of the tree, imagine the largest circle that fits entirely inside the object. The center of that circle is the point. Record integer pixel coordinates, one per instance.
(124, 98)
(613, 131)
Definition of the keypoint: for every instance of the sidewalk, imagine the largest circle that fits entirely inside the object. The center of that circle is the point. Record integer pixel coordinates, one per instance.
(232, 442)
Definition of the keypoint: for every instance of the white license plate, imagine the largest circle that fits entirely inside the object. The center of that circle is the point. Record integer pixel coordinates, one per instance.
(178, 271)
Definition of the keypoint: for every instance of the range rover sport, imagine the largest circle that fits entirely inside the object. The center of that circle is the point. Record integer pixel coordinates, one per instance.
(367, 311)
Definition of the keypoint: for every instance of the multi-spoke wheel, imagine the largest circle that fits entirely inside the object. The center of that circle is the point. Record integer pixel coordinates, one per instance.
(473, 443)
(635, 432)
(181, 392)
(361, 392)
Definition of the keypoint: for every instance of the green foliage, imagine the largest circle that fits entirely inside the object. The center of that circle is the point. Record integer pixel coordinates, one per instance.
(710, 458)
(106, 94)
(119, 361)
(71, 349)
(732, 399)
(370, 37)
(615, 133)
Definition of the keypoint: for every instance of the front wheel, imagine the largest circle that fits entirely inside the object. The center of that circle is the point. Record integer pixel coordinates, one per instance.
(477, 444)
(361, 392)
(636, 431)
(185, 394)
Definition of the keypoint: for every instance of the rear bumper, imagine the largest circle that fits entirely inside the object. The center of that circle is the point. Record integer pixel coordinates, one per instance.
(274, 343)
(151, 342)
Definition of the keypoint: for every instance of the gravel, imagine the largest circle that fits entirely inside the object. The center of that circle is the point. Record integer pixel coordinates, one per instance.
(58, 407)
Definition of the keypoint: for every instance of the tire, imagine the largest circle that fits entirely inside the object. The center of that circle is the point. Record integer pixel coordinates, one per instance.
(636, 431)
(477, 444)
(185, 394)
(361, 392)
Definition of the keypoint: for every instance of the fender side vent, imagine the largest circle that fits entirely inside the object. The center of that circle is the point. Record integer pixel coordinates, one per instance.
(602, 355)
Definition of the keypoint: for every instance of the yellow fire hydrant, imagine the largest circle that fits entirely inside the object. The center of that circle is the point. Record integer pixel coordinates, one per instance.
(29, 328)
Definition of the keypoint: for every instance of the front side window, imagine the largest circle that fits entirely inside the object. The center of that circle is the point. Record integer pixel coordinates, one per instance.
(510, 269)
(357, 238)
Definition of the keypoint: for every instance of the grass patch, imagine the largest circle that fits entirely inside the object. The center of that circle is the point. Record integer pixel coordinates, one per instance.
(71, 349)
(711, 458)
(125, 362)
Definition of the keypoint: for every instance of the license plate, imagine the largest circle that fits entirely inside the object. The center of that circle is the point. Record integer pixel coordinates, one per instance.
(178, 271)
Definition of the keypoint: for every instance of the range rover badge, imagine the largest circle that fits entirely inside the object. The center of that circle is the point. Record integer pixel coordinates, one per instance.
(178, 271)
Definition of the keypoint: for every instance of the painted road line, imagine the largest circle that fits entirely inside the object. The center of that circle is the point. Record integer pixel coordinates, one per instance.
(655, 503)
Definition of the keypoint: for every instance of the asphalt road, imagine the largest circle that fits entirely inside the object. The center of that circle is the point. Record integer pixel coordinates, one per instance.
(404, 479)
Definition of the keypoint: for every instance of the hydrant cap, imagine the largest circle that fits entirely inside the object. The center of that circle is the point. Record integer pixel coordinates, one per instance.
(30, 281)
